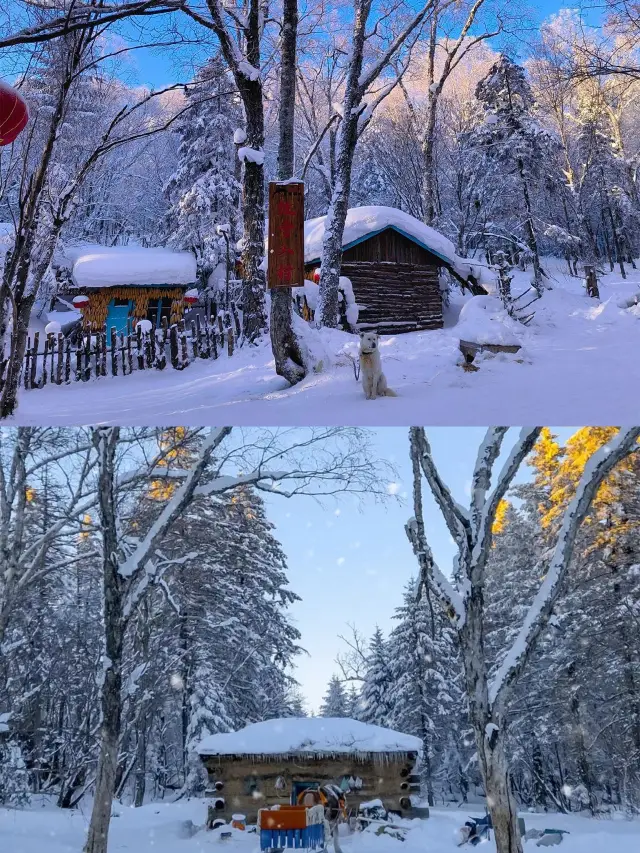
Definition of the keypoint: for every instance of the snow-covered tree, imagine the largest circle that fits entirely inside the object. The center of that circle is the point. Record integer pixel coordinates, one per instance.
(375, 695)
(204, 191)
(335, 700)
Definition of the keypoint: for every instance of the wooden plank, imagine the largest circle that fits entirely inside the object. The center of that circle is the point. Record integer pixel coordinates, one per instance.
(286, 235)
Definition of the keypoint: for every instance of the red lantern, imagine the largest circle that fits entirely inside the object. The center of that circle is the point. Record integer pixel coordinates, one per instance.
(13, 114)
(80, 301)
(191, 297)
(316, 275)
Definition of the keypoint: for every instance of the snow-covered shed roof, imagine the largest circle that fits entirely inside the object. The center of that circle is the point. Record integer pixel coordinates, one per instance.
(109, 266)
(365, 222)
(309, 735)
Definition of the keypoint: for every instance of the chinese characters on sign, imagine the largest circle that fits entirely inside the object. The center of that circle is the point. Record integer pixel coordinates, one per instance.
(286, 235)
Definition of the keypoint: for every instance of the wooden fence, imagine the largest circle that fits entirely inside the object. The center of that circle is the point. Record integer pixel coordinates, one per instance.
(54, 359)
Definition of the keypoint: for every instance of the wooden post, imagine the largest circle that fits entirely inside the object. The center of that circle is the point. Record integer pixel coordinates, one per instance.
(173, 346)
(43, 375)
(211, 332)
(195, 343)
(591, 281)
(230, 341)
(34, 359)
(60, 357)
(140, 347)
(114, 351)
(27, 363)
(183, 343)
(67, 362)
(87, 358)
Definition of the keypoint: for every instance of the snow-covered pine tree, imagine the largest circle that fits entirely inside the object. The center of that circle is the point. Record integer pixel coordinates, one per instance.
(335, 700)
(515, 144)
(427, 688)
(204, 191)
(375, 697)
(354, 704)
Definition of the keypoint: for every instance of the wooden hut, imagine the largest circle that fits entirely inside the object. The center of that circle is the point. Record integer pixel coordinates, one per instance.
(124, 284)
(271, 763)
(394, 263)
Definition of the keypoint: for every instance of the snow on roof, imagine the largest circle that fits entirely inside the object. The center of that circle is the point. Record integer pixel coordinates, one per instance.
(294, 735)
(364, 222)
(103, 266)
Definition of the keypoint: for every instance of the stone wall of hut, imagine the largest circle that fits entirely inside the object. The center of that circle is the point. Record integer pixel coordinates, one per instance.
(244, 784)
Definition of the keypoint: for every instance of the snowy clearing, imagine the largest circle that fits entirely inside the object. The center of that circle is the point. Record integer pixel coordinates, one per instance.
(158, 828)
(577, 356)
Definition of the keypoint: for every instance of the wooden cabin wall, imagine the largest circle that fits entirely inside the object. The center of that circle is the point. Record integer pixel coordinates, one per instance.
(389, 245)
(396, 282)
(380, 779)
(95, 313)
(395, 297)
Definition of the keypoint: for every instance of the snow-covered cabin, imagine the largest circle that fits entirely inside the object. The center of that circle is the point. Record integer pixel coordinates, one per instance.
(393, 261)
(125, 284)
(272, 762)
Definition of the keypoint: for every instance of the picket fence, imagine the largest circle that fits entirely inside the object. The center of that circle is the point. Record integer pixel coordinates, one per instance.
(59, 361)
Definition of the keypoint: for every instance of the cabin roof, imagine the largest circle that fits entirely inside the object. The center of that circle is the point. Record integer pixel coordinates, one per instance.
(94, 266)
(309, 735)
(362, 223)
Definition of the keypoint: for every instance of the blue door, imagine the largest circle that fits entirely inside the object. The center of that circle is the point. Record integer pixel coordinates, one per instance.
(118, 316)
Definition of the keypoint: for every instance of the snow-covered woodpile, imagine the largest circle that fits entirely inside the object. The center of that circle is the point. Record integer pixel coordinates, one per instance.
(393, 262)
(271, 762)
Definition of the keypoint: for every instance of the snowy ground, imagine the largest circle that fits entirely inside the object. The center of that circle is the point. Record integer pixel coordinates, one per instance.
(156, 828)
(578, 365)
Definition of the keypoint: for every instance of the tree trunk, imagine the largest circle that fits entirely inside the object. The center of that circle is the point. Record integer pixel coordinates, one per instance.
(111, 691)
(337, 214)
(428, 145)
(284, 344)
(18, 346)
(489, 734)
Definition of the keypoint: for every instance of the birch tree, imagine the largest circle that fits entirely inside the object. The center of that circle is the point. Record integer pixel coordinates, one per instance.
(463, 595)
(371, 56)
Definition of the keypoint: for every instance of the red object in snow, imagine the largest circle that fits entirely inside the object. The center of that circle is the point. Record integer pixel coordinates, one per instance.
(191, 300)
(14, 114)
(316, 275)
(80, 301)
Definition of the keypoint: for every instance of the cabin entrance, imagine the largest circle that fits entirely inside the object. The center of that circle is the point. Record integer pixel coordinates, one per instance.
(298, 787)
(118, 316)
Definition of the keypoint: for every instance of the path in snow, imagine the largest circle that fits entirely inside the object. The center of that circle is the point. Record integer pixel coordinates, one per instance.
(579, 365)
(155, 828)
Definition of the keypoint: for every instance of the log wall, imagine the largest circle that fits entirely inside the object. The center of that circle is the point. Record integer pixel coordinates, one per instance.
(244, 784)
(395, 297)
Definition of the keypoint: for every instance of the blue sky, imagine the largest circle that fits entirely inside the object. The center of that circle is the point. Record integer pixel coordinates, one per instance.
(350, 560)
(163, 66)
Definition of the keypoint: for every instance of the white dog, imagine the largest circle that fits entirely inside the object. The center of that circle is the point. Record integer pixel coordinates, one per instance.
(374, 381)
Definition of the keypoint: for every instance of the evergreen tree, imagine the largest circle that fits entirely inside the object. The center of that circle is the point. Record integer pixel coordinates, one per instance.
(204, 191)
(335, 700)
(514, 143)
(426, 688)
(375, 695)
(354, 704)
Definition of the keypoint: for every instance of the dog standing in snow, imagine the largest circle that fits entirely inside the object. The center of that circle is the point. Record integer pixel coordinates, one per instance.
(374, 382)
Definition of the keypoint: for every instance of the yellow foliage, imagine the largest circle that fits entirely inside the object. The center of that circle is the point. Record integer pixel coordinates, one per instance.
(30, 494)
(558, 471)
(499, 521)
(171, 442)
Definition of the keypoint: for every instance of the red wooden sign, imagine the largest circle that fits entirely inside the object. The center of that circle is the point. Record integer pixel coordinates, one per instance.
(286, 235)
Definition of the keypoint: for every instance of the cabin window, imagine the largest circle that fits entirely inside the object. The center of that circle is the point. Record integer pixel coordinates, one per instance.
(250, 785)
(159, 308)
